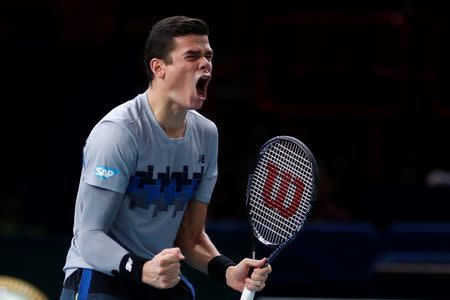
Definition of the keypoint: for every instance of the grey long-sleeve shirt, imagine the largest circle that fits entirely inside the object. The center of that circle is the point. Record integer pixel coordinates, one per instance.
(135, 184)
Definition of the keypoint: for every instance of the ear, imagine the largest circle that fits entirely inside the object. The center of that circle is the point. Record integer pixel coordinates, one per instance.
(158, 67)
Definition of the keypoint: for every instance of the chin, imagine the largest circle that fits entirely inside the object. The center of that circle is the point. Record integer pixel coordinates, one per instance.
(198, 106)
(197, 103)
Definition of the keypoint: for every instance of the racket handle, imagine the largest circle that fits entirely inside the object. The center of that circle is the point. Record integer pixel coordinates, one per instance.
(247, 294)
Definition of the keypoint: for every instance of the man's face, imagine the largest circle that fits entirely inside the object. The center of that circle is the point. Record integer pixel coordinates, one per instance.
(188, 75)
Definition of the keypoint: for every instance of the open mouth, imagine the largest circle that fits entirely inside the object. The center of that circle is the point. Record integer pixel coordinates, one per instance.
(202, 86)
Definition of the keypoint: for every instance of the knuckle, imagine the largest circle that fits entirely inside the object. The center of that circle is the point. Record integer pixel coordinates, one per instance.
(165, 283)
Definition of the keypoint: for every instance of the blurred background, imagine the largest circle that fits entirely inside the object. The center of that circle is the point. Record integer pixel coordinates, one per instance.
(364, 85)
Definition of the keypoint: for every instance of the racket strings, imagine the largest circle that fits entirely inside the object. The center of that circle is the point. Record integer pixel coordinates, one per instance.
(295, 161)
(300, 166)
(272, 224)
(268, 224)
(272, 233)
(292, 205)
(283, 187)
(261, 215)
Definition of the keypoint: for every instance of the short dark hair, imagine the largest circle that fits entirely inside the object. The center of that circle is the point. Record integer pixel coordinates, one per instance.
(160, 41)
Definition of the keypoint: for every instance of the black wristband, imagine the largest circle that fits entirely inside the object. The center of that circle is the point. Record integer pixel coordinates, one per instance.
(131, 267)
(218, 266)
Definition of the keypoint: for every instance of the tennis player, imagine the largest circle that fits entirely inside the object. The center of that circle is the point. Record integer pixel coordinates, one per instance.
(149, 169)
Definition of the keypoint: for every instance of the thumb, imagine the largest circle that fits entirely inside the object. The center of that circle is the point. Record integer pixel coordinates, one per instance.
(178, 253)
(257, 263)
(174, 251)
(180, 256)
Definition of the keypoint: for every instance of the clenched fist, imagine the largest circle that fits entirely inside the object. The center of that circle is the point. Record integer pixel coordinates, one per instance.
(163, 271)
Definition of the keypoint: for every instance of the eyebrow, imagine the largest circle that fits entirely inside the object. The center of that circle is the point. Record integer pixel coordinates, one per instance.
(198, 52)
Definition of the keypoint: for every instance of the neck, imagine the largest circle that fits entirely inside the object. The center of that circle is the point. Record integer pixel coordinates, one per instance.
(170, 116)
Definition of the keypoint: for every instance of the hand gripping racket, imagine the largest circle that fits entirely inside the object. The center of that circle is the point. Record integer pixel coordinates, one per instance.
(279, 194)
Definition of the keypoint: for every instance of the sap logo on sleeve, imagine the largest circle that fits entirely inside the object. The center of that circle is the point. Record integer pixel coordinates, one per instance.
(105, 173)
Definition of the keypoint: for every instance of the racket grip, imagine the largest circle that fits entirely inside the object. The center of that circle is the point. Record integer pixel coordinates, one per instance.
(247, 294)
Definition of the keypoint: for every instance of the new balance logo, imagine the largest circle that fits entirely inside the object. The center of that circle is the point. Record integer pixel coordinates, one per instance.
(201, 159)
(129, 264)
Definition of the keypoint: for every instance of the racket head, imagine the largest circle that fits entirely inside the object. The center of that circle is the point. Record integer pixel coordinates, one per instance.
(281, 190)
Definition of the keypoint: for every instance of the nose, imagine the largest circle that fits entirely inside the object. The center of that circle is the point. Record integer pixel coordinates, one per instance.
(205, 63)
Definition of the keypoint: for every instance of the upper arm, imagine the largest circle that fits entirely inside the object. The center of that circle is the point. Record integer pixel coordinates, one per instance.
(109, 157)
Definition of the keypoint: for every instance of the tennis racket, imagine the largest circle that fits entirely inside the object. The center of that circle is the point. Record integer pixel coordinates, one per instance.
(279, 194)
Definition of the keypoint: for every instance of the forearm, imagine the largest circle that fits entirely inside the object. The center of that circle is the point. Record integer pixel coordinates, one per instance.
(95, 245)
(100, 251)
(199, 252)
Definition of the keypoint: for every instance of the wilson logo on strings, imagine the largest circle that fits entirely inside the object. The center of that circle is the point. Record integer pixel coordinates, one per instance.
(278, 201)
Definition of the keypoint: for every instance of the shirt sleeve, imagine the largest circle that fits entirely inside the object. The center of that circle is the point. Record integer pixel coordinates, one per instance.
(208, 182)
(97, 247)
(109, 157)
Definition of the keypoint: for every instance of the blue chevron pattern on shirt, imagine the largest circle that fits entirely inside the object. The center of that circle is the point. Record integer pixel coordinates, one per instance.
(169, 188)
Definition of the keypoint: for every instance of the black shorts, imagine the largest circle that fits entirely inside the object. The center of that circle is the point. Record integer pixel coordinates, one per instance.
(90, 284)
